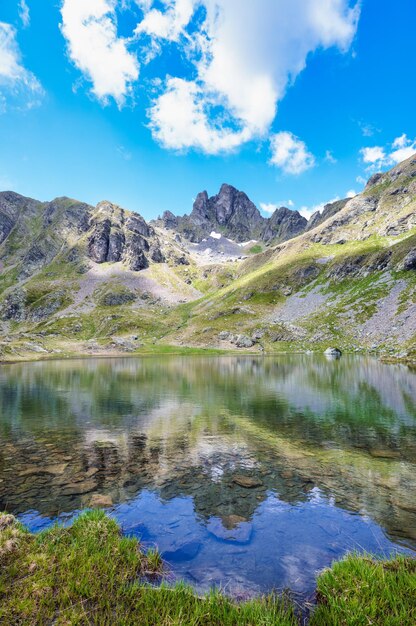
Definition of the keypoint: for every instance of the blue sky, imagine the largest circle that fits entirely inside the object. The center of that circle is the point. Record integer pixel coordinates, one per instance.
(146, 103)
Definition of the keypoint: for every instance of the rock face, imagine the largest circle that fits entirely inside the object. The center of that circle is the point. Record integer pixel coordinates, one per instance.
(117, 237)
(329, 210)
(44, 231)
(234, 215)
(409, 262)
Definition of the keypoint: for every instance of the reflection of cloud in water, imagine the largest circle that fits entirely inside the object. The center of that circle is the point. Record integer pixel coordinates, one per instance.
(317, 448)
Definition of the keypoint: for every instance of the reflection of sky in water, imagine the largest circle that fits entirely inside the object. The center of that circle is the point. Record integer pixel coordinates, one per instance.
(331, 447)
(283, 546)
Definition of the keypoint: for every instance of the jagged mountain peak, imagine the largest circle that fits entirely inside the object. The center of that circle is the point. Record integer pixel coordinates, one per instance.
(232, 213)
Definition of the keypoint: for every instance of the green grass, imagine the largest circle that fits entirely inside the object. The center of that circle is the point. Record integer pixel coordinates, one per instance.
(90, 574)
(359, 591)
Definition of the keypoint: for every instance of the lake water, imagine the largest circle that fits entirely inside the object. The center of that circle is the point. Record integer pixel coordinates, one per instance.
(248, 473)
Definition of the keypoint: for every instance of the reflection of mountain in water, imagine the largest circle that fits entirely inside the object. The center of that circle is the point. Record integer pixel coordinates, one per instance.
(293, 425)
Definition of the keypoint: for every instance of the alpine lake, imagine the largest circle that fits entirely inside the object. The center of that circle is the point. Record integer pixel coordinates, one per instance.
(250, 474)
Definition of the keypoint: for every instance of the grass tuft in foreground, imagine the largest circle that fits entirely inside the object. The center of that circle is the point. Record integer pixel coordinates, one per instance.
(90, 574)
(360, 591)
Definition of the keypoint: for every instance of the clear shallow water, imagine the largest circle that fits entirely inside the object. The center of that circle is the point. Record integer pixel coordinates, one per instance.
(248, 473)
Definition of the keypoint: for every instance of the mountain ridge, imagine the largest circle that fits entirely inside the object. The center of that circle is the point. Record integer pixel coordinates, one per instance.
(78, 279)
(233, 214)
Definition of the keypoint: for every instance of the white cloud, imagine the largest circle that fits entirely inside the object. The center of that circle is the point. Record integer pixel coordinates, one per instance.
(379, 157)
(90, 29)
(400, 142)
(309, 211)
(269, 207)
(24, 13)
(243, 60)
(180, 120)
(169, 24)
(290, 153)
(372, 155)
(330, 157)
(18, 86)
(361, 180)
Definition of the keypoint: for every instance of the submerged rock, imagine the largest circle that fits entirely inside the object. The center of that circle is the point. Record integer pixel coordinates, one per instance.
(247, 482)
(100, 501)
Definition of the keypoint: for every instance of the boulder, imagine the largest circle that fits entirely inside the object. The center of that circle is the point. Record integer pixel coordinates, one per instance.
(100, 501)
(243, 341)
(409, 262)
(247, 481)
(333, 353)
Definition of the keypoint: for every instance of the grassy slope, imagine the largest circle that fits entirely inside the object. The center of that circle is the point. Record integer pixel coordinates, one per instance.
(90, 574)
(239, 297)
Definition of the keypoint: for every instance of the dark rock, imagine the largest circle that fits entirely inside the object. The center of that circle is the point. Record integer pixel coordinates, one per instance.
(243, 341)
(374, 179)
(99, 242)
(136, 224)
(233, 214)
(117, 299)
(329, 210)
(14, 306)
(409, 262)
(169, 220)
(116, 246)
(156, 254)
(247, 481)
(284, 224)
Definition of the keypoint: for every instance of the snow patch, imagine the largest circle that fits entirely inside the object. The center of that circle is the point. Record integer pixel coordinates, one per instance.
(247, 243)
(215, 235)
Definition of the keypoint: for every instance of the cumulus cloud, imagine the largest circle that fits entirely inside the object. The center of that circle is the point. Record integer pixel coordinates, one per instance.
(18, 86)
(238, 59)
(180, 120)
(243, 58)
(309, 211)
(168, 24)
(90, 28)
(269, 207)
(290, 154)
(24, 13)
(379, 157)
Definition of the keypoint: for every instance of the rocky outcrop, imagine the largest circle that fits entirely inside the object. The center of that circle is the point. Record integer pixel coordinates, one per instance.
(328, 211)
(116, 237)
(409, 262)
(234, 215)
(284, 224)
(73, 231)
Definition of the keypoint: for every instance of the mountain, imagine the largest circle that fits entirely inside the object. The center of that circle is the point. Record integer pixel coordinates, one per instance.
(78, 279)
(232, 214)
